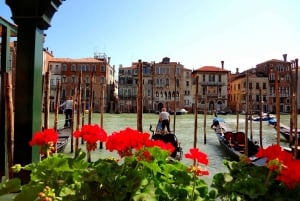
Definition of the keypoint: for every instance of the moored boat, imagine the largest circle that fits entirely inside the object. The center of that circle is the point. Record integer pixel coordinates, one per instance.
(263, 117)
(285, 132)
(63, 138)
(233, 142)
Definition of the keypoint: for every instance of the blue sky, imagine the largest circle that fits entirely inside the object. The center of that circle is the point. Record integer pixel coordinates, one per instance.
(193, 32)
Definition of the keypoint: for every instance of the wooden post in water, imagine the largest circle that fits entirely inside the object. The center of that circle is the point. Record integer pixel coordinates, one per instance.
(140, 97)
(10, 125)
(73, 117)
(296, 110)
(196, 113)
(78, 109)
(57, 104)
(246, 115)
(260, 122)
(101, 111)
(292, 94)
(82, 105)
(91, 98)
(277, 107)
(238, 111)
(46, 88)
(175, 94)
(204, 123)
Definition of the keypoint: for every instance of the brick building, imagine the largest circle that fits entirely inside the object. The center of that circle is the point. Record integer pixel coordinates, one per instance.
(67, 71)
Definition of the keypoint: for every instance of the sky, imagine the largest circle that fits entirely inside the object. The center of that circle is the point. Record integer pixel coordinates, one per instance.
(196, 33)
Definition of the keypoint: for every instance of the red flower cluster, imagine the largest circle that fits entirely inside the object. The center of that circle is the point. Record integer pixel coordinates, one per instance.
(44, 137)
(196, 155)
(91, 134)
(282, 162)
(127, 140)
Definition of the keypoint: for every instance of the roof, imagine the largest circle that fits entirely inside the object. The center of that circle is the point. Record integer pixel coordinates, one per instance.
(13, 28)
(80, 60)
(210, 69)
(273, 61)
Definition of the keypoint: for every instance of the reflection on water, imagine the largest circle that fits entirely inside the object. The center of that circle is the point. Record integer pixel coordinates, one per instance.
(185, 133)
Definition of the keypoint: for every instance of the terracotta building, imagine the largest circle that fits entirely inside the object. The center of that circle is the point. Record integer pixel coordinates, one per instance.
(258, 88)
(282, 69)
(212, 88)
(69, 72)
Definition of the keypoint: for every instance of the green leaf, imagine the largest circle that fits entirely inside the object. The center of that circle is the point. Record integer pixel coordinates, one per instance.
(10, 186)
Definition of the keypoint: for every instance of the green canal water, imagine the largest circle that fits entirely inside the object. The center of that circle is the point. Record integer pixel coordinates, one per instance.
(184, 128)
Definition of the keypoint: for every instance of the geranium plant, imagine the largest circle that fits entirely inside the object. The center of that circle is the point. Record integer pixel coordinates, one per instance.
(277, 179)
(143, 171)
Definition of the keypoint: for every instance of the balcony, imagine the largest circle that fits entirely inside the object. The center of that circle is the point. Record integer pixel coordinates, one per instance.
(212, 83)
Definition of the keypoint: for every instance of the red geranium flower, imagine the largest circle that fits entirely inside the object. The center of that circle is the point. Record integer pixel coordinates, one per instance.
(91, 134)
(195, 154)
(290, 174)
(44, 137)
(125, 141)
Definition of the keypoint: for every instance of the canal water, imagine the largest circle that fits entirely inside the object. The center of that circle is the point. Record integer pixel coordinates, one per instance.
(184, 128)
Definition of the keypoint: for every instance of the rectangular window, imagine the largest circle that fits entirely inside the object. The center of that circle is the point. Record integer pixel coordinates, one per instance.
(64, 67)
(257, 85)
(264, 85)
(102, 68)
(93, 68)
(73, 68)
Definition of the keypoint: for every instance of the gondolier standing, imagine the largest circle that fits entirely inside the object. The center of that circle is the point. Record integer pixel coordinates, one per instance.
(164, 118)
(68, 106)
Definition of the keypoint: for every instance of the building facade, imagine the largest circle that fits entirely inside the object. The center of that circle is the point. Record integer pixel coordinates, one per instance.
(257, 92)
(282, 69)
(165, 84)
(212, 88)
(94, 77)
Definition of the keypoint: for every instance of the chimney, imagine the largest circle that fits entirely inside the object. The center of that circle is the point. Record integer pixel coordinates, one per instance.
(284, 57)
(108, 60)
(222, 64)
(237, 71)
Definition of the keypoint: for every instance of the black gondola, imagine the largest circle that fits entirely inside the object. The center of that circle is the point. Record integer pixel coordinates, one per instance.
(168, 138)
(285, 132)
(63, 138)
(233, 142)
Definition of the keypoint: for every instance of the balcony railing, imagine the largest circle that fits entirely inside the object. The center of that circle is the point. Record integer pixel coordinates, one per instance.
(211, 83)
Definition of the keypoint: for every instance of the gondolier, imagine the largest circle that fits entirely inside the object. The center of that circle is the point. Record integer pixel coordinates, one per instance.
(68, 109)
(164, 118)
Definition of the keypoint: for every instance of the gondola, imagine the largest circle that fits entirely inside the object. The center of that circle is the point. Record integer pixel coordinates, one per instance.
(157, 134)
(264, 117)
(285, 133)
(233, 142)
(63, 138)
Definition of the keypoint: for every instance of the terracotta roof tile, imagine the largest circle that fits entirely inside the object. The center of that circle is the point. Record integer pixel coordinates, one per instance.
(210, 69)
(80, 60)
(272, 61)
